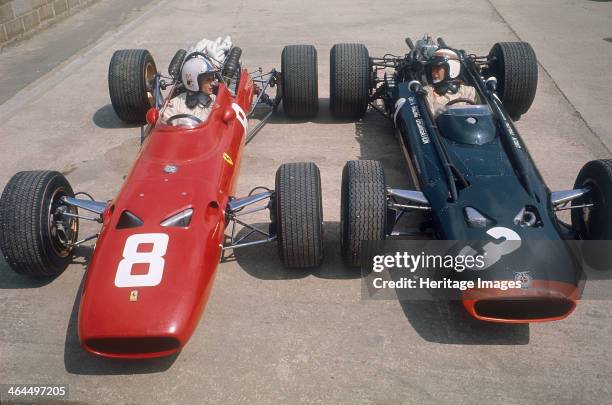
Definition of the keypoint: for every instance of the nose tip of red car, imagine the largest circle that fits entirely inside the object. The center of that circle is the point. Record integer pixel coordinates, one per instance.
(136, 347)
(543, 301)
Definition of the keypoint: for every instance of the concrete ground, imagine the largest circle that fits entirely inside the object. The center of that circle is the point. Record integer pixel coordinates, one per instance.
(275, 336)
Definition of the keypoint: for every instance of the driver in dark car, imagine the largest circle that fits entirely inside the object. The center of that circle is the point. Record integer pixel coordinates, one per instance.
(442, 72)
(198, 77)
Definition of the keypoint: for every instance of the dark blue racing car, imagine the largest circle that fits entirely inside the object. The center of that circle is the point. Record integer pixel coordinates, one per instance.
(474, 177)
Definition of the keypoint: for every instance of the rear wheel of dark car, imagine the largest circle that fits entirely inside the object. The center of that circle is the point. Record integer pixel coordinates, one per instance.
(350, 76)
(35, 236)
(131, 84)
(300, 81)
(363, 207)
(515, 66)
(299, 212)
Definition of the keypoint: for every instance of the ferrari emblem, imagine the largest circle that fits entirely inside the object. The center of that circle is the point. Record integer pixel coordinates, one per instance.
(134, 295)
(228, 159)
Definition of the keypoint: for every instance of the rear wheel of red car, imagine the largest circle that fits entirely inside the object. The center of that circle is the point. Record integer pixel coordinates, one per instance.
(515, 67)
(350, 75)
(35, 237)
(175, 65)
(231, 68)
(299, 212)
(131, 84)
(363, 207)
(299, 81)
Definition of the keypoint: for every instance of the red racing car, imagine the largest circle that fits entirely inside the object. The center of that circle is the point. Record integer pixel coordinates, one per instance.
(163, 235)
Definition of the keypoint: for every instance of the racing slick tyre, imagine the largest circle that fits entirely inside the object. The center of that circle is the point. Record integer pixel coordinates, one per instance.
(299, 212)
(363, 207)
(131, 76)
(299, 81)
(515, 66)
(349, 80)
(35, 236)
(594, 223)
(174, 68)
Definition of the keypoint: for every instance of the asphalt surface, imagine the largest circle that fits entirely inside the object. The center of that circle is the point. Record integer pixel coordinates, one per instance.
(270, 335)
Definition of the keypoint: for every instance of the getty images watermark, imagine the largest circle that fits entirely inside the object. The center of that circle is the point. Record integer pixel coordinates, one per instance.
(410, 263)
(414, 269)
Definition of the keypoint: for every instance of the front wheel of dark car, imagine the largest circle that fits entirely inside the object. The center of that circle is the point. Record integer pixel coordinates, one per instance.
(593, 221)
(363, 207)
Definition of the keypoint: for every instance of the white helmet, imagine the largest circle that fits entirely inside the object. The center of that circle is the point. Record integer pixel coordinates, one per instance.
(192, 69)
(448, 58)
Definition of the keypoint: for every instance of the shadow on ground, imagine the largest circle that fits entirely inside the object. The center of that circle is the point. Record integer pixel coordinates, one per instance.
(12, 280)
(106, 118)
(263, 262)
(448, 322)
(377, 141)
(323, 116)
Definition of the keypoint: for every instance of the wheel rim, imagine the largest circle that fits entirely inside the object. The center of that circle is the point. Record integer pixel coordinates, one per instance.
(593, 197)
(62, 229)
(149, 76)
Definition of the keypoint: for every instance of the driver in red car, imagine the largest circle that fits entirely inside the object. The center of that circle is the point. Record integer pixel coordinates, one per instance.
(442, 72)
(198, 76)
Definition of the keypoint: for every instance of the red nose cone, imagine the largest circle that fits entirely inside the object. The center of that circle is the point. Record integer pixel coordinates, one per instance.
(152, 116)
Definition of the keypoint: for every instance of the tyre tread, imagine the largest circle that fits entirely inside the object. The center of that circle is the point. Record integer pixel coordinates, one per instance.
(517, 73)
(21, 215)
(300, 81)
(299, 213)
(126, 84)
(349, 80)
(364, 210)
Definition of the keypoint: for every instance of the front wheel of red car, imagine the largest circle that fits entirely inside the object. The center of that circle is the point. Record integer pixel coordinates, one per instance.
(35, 236)
(299, 212)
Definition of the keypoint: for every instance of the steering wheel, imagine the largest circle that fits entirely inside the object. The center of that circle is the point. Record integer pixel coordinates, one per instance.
(179, 116)
(461, 100)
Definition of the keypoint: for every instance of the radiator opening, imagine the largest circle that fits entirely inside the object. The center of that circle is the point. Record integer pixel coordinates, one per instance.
(142, 345)
(524, 309)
